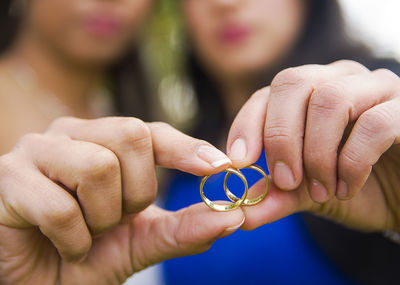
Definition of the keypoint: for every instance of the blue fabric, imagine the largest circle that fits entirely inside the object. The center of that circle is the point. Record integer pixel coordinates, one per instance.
(282, 252)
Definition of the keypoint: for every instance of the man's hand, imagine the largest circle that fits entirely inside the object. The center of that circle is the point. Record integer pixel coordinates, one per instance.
(324, 129)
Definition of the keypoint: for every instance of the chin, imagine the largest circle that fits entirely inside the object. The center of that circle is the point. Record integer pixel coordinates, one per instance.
(244, 67)
(97, 56)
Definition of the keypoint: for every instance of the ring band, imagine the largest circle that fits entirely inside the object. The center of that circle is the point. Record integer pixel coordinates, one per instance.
(238, 201)
(247, 202)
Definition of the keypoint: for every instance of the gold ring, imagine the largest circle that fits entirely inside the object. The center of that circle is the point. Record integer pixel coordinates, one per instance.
(231, 206)
(247, 202)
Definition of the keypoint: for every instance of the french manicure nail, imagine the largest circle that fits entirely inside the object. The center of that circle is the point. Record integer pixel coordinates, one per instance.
(238, 149)
(318, 192)
(283, 176)
(234, 228)
(342, 191)
(213, 156)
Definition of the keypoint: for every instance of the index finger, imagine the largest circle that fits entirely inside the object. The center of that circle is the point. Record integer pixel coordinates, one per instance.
(139, 147)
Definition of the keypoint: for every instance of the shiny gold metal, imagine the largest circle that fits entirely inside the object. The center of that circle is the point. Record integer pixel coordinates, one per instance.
(231, 206)
(247, 202)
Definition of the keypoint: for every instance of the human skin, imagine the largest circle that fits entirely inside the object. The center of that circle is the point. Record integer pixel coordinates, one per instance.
(66, 46)
(305, 119)
(86, 33)
(331, 135)
(75, 202)
(240, 38)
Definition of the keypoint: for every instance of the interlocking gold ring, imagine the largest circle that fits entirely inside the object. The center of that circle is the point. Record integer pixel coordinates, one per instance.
(237, 202)
(231, 206)
(247, 202)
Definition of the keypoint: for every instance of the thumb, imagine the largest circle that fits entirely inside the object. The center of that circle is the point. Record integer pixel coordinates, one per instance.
(188, 231)
(173, 149)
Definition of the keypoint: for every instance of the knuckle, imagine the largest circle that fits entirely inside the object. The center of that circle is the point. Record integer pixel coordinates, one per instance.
(78, 249)
(352, 65)
(328, 98)
(375, 121)
(61, 123)
(287, 79)
(30, 140)
(261, 93)
(386, 74)
(351, 159)
(8, 166)
(133, 131)
(156, 126)
(100, 165)
(62, 213)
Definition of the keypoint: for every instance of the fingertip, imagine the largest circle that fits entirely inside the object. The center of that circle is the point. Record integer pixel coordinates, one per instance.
(318, 192)
(222, 162)
(283, 176)
(342, 191)
(242, 153)
(235, 227)
(213, 156)
(199, 226)
(231, 229)
(216, 221)
(238, 150)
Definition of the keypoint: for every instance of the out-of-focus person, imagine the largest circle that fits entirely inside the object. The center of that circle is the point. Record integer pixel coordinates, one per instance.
(67, 58)
(236, 47)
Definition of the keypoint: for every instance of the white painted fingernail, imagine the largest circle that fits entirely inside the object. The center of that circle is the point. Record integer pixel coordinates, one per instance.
(221, 162)
(213, 156)
(234, 228)
(238, 149)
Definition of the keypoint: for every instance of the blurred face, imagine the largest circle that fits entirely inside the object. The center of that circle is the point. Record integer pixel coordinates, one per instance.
(92, 31)
(235, 37)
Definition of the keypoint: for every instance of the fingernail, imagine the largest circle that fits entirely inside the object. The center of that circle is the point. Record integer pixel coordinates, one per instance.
(318, 192)
(213, 156)
(234, 228)
(238, 149)
(342, 191)
(283, 176)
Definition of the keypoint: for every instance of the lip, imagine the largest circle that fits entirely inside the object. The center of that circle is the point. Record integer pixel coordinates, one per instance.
(234, 34)
(103, 25)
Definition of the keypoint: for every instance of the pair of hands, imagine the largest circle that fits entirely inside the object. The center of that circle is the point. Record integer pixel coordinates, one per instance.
(75, 200)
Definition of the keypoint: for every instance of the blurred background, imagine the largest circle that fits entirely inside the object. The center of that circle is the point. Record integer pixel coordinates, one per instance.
(375, 23)
(368, 21)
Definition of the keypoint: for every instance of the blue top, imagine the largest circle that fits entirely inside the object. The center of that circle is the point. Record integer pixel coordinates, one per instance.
(282, 252)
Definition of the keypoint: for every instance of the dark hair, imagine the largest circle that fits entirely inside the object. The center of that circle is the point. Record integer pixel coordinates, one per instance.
(323, 40)
(8, 25)
(127, 80)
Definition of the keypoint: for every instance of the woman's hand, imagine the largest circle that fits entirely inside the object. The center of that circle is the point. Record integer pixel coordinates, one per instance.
(331, 137)
(75, 202)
